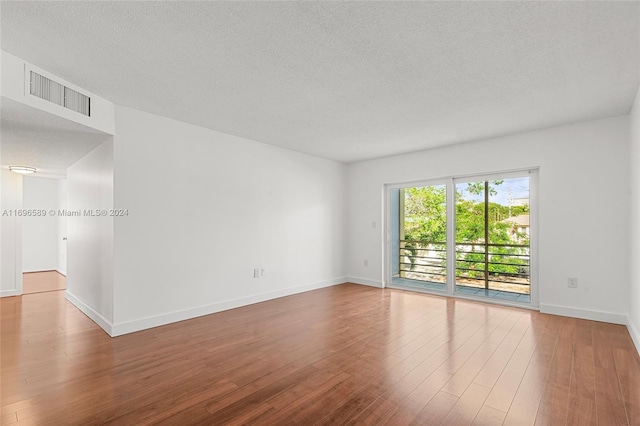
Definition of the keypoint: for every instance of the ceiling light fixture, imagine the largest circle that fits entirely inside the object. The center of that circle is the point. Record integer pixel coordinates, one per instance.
(23, 170)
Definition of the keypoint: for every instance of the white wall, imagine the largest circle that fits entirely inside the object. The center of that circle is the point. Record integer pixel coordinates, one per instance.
(39, 233)
(10, 234)
(205, 209)
(62, 227)
(583, 208)
(634, 231)
(90, 244)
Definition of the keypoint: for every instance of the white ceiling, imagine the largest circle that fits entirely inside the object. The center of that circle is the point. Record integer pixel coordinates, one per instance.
(30, 137)
(343, 80)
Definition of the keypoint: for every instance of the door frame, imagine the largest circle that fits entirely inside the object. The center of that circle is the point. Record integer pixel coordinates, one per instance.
(450, 182)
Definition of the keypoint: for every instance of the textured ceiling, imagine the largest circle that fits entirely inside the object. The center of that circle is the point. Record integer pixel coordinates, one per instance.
(343, 80)
(30, 137)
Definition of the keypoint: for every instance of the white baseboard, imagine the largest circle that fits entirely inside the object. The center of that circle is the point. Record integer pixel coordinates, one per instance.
(7, 293)
(185, 314)
(365, 281)
(104, 323)
(635, 334)
(593, 315)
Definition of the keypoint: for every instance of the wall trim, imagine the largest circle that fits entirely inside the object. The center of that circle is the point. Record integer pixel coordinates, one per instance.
(126, 327)
(588, 314)
(8, 293)
(365, 281)
(96, 317)
(634, 333)
(44, 270)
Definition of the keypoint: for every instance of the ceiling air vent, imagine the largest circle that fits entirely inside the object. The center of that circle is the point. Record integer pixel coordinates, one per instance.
(52, 91)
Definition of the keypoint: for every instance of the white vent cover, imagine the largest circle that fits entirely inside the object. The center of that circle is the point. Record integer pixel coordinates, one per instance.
(52, 91)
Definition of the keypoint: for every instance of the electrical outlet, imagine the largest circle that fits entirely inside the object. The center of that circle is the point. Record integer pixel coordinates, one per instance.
(256, 273)
(366, 262)
(573, 282)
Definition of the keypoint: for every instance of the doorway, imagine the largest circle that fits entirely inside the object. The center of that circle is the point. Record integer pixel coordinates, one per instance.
(419, 236)
(44, 252)
(472, 237)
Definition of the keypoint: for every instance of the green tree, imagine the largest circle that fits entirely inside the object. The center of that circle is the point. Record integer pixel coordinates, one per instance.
(425, 228)
(425, 221)
(426, 213)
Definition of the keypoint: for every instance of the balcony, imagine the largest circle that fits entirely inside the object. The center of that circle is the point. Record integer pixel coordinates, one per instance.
(500, 271)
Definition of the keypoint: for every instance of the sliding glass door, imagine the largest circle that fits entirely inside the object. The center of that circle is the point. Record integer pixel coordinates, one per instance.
(467, 236)
(419, 237)
(492, 219)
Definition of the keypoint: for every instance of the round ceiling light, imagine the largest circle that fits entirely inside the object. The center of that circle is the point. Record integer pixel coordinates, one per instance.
(23, 170)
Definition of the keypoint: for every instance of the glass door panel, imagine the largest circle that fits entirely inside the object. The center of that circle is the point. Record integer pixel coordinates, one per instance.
(492, 239)
(419, 237)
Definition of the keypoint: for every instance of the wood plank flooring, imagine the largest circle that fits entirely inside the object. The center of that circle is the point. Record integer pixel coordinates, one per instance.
(347, 355)
(38, 282)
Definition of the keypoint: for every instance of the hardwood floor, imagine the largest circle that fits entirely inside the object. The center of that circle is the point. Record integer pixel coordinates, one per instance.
(38, 282)
(342, 355)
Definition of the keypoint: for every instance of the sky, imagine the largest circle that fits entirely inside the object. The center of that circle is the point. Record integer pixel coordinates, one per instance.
(510, 188)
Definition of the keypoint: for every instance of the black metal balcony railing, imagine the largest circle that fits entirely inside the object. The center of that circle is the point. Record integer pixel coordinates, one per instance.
(501, 267)
(423, 261)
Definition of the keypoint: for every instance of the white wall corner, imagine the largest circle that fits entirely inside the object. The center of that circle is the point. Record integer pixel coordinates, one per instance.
(593, 315)
(8, 293)
(634, 333)
(126, 327)
(102, 322)
(366, 281)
